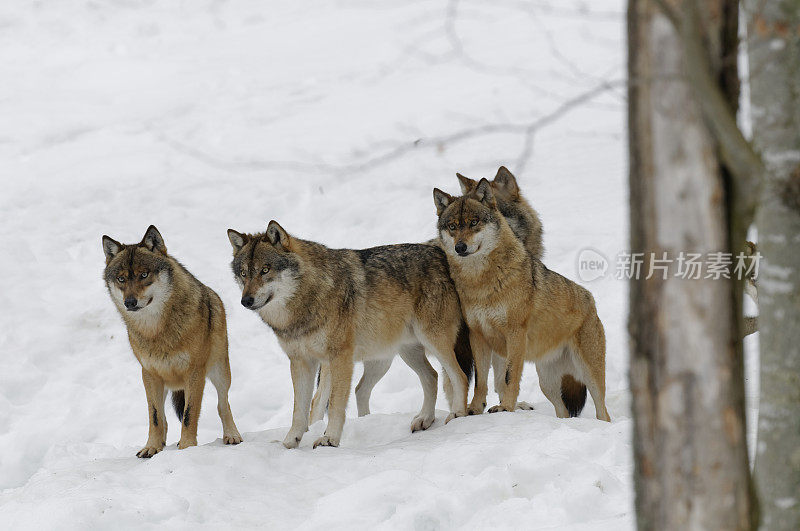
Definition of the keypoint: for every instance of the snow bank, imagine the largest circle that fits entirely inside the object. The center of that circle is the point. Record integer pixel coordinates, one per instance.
(337, 119)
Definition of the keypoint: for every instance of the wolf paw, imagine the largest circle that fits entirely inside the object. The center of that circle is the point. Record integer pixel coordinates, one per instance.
(326, 440)
(186, 443)
(524, 406)
(476, 409)
(232, 439)
(149, 451)
(292, 441)
(454, 415)
(421, 422)
(497, 408)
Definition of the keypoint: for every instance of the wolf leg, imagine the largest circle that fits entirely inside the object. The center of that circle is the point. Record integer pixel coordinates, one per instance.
(157, 433)
(551, 372)
(341, 366)
(590, 356)
(303, 371)
(220, 376)
(374, 370)
(323, 395)
(442, 348)
(598, 391)
(415, 358)
(498, 371)
(516, 349)
(191, 414)
(483, 357)
(447, 385)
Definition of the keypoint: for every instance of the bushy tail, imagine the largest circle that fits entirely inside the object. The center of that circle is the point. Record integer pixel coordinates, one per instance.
(464, 351)
(573, 394)
(179, 403)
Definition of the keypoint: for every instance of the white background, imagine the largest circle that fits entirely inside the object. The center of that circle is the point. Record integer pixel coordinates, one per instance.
(200, 116)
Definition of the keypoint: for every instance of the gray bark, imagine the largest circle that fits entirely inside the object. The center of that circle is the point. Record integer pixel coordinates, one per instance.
(774, 58)
(686, 373)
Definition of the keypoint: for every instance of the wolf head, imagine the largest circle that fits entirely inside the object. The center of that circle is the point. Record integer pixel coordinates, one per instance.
(470, 224)
(264, 265)
(504, 186)
(138, 276)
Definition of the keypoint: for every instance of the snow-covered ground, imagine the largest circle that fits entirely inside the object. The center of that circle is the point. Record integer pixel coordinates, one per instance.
(336, 118)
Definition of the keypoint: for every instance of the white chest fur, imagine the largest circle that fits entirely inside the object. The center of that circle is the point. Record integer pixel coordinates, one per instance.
(486, 317)
(166, 366)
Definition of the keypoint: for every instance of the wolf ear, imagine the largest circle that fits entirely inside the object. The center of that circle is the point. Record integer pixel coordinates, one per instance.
(111, 248)
(483, 193)
(505, 181)
(467, 184)
(238, 240)
(153, 240)
(442, 200)
(277, 236)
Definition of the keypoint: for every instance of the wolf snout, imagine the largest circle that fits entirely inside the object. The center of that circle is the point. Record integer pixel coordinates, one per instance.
(248, 301)
(131, 303)
(461, 248)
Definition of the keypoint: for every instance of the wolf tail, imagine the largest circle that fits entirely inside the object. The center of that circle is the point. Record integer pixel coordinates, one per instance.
(464, 351)
(179, 403)
(573, 393)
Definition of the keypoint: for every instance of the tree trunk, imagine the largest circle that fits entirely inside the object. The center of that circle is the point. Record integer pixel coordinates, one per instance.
(774, 57)
(686, 369)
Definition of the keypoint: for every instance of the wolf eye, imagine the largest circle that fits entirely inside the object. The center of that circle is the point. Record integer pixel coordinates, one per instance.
(144, 274)
(243, 273)
(265, 270)
(120, 279)
(473, 222)
(452, 226)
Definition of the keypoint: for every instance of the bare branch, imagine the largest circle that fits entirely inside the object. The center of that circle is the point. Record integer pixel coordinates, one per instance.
(528, 130)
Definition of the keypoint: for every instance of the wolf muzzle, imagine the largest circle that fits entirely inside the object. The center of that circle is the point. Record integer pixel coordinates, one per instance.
(131, 303)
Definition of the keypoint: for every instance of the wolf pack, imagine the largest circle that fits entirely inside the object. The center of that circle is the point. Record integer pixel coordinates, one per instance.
(477, 296)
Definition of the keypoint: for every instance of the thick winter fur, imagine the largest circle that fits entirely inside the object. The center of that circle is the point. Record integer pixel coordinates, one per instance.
(337, 306)
(176, 327)
(520, 215)
(526, 225)
(518, 308)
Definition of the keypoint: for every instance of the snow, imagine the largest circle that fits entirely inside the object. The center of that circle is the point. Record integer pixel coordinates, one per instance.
(337, 119)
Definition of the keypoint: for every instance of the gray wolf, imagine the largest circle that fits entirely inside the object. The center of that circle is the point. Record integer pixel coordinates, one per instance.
(332, 307)
(177, 330)
(519, 309)
(521, 217)
(526, 225)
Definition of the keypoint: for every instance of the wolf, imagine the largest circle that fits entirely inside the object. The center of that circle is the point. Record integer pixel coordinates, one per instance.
(332, 307)
(519, 309)
(177, 330)
(521, 217)
(526, 225)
